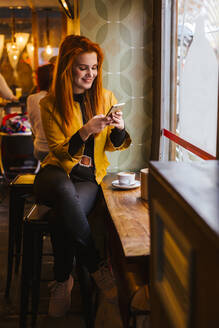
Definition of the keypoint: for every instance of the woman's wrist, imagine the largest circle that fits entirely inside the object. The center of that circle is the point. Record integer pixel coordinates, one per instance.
(85, 132)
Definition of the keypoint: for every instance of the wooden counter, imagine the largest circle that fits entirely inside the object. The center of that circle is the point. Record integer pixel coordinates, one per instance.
(129, 246)
(184, 207)
(130, 216)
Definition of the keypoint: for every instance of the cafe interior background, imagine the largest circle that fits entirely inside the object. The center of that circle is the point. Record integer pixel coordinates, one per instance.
(124, 31)
(143, 67)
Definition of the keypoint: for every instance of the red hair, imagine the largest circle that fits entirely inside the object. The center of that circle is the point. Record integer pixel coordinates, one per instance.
(62, 88)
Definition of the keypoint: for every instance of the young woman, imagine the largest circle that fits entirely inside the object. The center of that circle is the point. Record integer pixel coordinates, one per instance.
(44, 80)
(78, 134)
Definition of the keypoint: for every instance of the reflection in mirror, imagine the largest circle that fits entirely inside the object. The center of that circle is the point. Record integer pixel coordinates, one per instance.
(16, 27)
(29, 33)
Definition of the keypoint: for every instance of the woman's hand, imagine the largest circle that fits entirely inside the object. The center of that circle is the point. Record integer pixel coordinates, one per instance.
(14, 98)
(117, 120)
(95, 125)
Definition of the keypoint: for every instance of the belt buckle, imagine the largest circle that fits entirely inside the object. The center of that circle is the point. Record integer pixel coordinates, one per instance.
(86, 161)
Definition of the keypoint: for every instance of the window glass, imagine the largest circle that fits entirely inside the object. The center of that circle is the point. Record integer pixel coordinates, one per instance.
(198, 55)
(192, 74)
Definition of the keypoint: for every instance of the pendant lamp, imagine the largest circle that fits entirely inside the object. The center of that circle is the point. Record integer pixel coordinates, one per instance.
(13, 54)
(21, 40)
(48, 48)
(12, 48)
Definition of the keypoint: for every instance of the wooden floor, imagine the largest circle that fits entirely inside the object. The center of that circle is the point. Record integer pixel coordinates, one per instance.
(107, 315)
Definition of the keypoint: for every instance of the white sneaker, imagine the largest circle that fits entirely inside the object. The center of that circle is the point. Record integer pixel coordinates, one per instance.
(60, 297)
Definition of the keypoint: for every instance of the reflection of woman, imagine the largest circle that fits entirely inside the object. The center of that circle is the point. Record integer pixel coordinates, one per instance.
(44, 79)
(78, 134)
(5, 91)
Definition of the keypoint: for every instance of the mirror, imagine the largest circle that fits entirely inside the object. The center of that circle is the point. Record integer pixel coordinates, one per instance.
(44, 34)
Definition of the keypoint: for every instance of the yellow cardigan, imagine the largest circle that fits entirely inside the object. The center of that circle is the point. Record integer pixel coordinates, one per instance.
(58, 138)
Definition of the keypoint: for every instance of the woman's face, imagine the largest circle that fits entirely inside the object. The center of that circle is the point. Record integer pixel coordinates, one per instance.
(84, 71)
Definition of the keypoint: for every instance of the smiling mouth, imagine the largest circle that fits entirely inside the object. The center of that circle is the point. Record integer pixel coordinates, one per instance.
(87, 80)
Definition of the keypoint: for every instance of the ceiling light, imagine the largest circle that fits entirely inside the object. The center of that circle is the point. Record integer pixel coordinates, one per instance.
(13, 54)
(21, 40)
(48, 46)
(48, 49)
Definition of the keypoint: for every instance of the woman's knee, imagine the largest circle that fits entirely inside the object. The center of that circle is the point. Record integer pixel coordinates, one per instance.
(65, 189)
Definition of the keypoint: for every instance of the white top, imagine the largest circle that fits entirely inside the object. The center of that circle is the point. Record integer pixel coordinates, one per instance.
(5, 91)
(33, 111)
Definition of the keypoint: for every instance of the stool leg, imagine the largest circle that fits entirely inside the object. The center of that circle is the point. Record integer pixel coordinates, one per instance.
(134, 321)
(37, 264)
(16, 209)
(86, 295)
(19, 206)
(11, 237)
(27, 271)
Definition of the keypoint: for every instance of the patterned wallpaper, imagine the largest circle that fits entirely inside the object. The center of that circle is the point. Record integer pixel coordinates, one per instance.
(123, 28)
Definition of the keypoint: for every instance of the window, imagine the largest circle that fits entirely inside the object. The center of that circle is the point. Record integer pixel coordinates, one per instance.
(189, 87)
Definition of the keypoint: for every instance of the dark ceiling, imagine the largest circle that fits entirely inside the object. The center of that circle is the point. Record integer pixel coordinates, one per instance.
(30, 3)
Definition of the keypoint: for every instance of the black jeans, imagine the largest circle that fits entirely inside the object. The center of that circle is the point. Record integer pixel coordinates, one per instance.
(71, 202)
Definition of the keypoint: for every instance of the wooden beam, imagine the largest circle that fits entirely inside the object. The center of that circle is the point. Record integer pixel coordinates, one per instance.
(156, 119)
(73, 25)
(35, 38)
(34, 32)
(30, 4)
(64, 25)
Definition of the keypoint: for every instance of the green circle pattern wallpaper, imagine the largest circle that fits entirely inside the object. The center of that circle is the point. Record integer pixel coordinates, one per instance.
(123, 28)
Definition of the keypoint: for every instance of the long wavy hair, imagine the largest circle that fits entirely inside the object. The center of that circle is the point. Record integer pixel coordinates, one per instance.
(62, 86)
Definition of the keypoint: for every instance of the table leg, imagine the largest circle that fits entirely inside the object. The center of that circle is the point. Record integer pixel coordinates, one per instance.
(1, 163)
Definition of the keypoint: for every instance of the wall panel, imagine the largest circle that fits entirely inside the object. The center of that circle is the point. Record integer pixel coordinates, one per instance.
(123, 28)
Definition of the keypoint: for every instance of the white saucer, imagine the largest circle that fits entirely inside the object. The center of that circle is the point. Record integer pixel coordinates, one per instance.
(116, 184)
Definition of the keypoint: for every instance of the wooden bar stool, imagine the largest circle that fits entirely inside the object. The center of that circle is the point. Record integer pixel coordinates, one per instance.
(35, 226)
(19, 190)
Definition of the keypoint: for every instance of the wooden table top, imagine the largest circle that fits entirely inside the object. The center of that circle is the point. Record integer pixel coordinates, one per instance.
(130, 216)
(16, 134)
(196, 186)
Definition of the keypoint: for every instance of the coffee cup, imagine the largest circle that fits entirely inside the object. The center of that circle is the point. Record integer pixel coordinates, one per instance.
(144, 183)
(126, 178)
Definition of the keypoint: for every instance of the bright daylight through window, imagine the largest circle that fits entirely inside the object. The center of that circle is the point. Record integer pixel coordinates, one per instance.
(192, 76)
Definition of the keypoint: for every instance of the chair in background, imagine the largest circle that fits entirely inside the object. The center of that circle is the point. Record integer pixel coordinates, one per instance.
(16, 154)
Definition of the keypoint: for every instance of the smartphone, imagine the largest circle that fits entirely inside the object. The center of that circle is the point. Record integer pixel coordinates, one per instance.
(114, 108)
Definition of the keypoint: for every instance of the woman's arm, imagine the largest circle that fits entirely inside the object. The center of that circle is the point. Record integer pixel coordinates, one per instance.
(58, 141)
(117, 136)
(94, 126)
(64, 147)
(5, 91)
